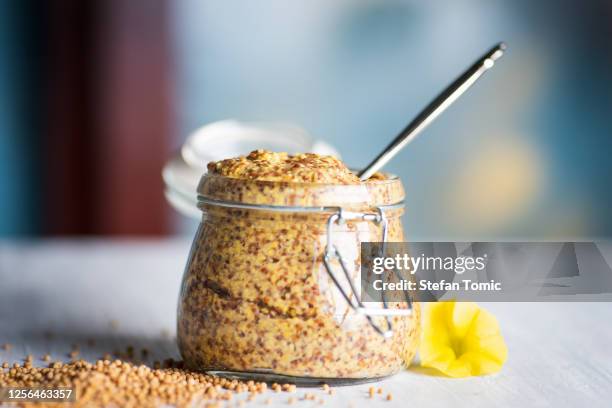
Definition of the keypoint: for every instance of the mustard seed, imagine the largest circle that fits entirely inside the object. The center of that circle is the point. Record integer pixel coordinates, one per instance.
(309, 397)
(121, 383)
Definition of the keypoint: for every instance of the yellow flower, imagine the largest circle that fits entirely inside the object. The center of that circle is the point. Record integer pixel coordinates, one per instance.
(460, 339)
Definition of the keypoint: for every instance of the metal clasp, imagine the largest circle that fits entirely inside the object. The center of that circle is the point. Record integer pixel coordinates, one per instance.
(331, 252)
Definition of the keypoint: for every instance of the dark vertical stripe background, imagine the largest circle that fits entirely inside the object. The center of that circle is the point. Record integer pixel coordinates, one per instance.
(21, 54)
(86, 117)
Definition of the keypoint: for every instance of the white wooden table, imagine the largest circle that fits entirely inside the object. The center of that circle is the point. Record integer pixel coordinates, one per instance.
(125, 292)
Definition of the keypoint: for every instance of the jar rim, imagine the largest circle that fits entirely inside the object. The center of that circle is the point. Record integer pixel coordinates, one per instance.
(204, 201)
(216, 188)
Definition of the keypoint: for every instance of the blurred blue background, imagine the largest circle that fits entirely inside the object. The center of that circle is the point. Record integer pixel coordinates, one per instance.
(524, 154)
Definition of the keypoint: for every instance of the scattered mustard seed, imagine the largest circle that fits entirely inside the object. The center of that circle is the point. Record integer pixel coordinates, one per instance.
(122, 383)
(305, 397)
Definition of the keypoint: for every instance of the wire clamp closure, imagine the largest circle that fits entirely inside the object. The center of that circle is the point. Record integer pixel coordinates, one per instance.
(340, 217)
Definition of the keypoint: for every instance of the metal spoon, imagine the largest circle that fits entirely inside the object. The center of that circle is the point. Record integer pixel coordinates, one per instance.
(435, 108)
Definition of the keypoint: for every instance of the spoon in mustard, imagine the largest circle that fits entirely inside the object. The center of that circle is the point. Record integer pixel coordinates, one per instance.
(434, 109)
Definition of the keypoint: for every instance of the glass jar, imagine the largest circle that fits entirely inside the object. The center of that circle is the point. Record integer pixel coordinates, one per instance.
(270, 290)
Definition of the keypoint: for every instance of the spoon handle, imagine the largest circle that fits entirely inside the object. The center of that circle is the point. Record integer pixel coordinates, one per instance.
(435, 108)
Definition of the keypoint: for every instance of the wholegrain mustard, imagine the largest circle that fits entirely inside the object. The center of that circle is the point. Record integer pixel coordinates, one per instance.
(256, 296)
